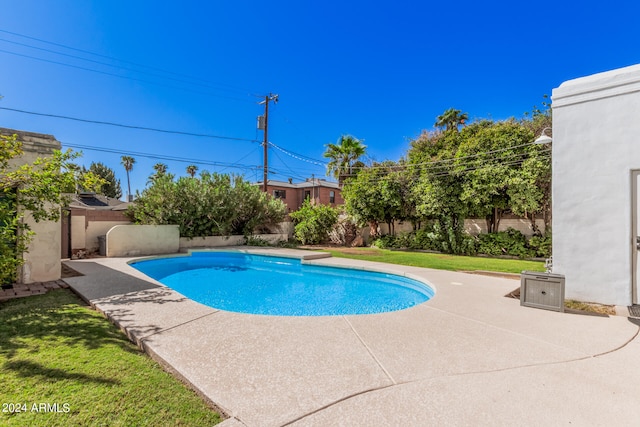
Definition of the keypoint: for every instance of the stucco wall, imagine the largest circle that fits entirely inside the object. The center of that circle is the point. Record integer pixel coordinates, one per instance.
(596, 144)
(98, 228)
(478, 226)
(88, 224)
(78, 232)
(133, 240)
(42, 261)
(221, 241)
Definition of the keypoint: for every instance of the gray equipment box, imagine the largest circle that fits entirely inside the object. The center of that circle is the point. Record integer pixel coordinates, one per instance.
(542, 290)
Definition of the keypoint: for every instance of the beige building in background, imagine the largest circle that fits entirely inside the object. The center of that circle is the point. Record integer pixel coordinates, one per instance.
(42, 261)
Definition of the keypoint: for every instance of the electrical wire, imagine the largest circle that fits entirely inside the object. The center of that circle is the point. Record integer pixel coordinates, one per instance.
(299, 156)
(118, 60)
(293, 174)
(240, 159)
(117, 66)
(120, 76)
(159, 156)
(435, 166)
(175, 132)
(451, 159)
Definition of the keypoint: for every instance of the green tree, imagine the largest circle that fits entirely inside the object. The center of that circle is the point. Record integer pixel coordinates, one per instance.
(538, 169)
(342, 156)
(160, 170)
(451, 119)
(491, 156)
(379, 193)
(191, 170)
(438, 186)
(128, 162)
(36, 190)
(313, 222)
(111, 187)
(484, 170)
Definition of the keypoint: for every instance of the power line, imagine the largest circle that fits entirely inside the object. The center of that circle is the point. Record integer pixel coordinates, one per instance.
(160, 157)
(114, 59)
(240, 159)
(118, 75)
(202, 135)
(293, 174)
(435, 166)
(299, 156)
(468, 169)
(118, 67)
(451, 159)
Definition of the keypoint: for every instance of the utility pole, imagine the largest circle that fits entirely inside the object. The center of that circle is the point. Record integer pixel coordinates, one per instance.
(263, 123)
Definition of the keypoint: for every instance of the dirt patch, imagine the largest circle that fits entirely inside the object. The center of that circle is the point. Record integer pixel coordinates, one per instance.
(577, 307)
(354, 251)
(514, 276)
(342, 249)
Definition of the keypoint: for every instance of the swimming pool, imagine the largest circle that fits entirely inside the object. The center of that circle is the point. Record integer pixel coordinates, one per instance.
(280, 286)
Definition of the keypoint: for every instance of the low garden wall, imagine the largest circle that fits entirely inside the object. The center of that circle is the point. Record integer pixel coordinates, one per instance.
(222, 241)
(138, 240)
(133, 240)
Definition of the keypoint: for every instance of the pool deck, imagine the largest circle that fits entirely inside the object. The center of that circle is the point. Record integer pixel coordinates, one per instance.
(469, 356)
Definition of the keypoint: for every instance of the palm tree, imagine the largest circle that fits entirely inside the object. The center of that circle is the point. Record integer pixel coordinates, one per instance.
(342, 156)
(160, 171)
(128, 162)
(451, 119)
(191, 170)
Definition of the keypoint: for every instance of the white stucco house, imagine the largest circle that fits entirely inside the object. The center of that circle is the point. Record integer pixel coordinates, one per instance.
(596, 164)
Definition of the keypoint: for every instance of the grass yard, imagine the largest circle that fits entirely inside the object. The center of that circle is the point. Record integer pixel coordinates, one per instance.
(64, 364)
(437, 261)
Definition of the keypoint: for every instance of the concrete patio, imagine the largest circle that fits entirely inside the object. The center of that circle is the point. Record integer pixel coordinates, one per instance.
(469, 356)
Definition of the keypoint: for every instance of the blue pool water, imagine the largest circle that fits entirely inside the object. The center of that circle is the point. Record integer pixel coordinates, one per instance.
(282, 286)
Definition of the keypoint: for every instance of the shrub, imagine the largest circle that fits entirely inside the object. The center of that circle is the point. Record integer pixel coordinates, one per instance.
(510, 242)
(541, 245)
(385, 242)
(212, 205)
(313, 222)
(448, 236)
(255, 241)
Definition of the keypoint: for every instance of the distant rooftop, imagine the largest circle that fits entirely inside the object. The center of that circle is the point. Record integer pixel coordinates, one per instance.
(316, 182)
(97, 201)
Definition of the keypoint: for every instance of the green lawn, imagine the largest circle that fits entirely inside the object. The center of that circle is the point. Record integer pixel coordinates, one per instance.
(63, 364)
(437, 261)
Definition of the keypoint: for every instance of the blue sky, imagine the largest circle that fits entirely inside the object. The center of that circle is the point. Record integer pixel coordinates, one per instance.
(381, 71)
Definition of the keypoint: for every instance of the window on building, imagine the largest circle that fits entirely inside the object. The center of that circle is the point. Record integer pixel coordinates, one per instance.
(332, 196)
(307, 194)
(280, 194)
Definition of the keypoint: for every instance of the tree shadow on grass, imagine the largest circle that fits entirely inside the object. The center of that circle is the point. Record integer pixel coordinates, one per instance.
(27, 369)
(28, 323)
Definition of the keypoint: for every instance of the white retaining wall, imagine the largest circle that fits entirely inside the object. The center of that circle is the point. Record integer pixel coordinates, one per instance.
(222, 241)
(134, 240)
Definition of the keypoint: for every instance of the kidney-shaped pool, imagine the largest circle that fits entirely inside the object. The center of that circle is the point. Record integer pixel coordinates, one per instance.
(279, 286)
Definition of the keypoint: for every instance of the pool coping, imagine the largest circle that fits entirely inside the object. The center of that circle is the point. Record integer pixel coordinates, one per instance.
(265, 370)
